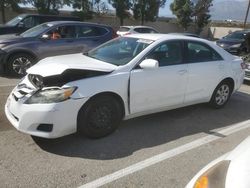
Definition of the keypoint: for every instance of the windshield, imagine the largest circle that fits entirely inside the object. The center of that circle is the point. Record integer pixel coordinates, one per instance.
(35, 31)
(124, 29)
(120, 51)
(15, 21)
(236, 36)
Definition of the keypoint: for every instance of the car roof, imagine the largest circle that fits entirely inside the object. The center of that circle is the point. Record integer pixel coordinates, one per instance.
(155, 37)
(47, 15)
(75, 22)
(186, 34)
(137, 26)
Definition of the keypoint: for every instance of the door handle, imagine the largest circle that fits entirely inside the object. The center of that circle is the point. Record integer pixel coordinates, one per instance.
(181, 72)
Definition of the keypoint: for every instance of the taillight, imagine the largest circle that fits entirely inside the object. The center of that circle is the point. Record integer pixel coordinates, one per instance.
(128, 33)
(114, 35)
(244, 65)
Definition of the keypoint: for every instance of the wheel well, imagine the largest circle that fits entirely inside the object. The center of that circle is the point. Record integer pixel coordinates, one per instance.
(21, 52)
(229, 81)
(114, 95)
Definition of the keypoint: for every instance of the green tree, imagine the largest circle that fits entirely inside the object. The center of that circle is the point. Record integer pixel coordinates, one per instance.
(13, 4)
(100, 7)
(183, 10)
(49, 6)
(122, 7)
(84, 8)
(201, 14)
(147, 10)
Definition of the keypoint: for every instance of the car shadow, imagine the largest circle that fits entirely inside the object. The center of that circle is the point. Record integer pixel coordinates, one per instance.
(151, 130)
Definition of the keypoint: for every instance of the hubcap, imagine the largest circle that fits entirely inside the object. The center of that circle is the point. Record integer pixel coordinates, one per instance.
(21, 64)
(222, 94)
(101, 117)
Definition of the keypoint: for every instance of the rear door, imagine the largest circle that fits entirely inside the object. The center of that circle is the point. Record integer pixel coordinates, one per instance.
(205, 68)
(162, 87)
(90, 36)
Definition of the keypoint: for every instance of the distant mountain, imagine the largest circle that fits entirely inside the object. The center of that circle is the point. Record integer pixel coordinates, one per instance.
(229, 9)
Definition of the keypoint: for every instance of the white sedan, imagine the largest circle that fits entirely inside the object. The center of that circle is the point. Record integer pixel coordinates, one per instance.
(124, 78)
(231, 170)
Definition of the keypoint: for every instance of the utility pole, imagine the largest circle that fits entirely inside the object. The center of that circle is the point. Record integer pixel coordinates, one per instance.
(246, 14)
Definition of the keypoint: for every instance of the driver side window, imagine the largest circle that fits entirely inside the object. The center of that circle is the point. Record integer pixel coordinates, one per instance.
(62, 32)
(168, 53)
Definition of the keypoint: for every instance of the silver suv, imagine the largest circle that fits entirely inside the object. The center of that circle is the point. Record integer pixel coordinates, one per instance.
(126, 30)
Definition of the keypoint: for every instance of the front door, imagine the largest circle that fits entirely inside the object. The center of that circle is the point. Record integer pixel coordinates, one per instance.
(62, 41)
(162, 87)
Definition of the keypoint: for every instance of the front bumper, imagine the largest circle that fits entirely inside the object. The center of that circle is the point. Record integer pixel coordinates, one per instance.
(27, 118)
(3, 58)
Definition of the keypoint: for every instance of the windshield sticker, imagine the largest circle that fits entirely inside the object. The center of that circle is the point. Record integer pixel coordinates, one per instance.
(146, 41)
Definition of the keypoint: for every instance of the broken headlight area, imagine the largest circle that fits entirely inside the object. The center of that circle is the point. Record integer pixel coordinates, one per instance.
(66, 77)
(51, 95)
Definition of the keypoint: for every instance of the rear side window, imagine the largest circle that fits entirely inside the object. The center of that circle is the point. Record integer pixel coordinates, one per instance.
(90, 31)
(199, 52)
(123, 29)
(145, 30)
(30, 21)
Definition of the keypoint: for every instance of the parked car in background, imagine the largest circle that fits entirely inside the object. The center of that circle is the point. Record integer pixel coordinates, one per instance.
(235, 42)
(126, 77)
(228, 171)
(24, 22)
(19, 52)
(127, 30)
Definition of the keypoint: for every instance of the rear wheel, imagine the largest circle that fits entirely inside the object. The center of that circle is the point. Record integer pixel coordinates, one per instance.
(221, 95)
(19, 63)
(100, 117)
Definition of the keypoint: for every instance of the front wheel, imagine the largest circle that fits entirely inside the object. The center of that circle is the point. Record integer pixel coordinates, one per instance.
(221, 95)
(19, 63)
(100, 117)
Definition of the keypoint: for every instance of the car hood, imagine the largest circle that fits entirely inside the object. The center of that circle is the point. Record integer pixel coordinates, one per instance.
(5, 39)
(58, 64)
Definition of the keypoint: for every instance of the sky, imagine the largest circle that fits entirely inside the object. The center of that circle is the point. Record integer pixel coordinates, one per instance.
(163, 11)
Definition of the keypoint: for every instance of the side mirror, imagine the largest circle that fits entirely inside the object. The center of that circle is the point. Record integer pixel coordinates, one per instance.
(20, 24)
(45, 37)
(149, 64)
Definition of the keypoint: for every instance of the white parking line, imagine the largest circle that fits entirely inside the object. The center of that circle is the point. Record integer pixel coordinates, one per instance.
(8, 85)
(166, 155)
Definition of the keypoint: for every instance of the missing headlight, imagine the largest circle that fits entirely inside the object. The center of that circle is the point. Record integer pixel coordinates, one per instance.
(67, 76)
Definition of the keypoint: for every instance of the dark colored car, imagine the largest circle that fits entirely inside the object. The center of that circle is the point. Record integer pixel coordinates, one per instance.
(235, 42)
(19, 52)
(24, 22)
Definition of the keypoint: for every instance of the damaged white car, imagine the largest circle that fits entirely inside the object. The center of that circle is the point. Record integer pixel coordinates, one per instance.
(124, 78)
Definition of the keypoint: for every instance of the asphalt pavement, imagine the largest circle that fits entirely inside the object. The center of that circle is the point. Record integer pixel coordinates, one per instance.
(160, 150)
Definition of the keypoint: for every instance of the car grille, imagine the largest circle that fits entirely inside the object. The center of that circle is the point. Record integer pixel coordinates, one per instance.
(21, 91)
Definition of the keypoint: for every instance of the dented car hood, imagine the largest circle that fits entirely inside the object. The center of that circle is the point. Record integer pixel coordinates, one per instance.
(58, 64)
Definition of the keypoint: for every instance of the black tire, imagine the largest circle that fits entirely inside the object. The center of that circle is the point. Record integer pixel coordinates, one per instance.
(221, 95)
(99, 117)
(19, 63)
